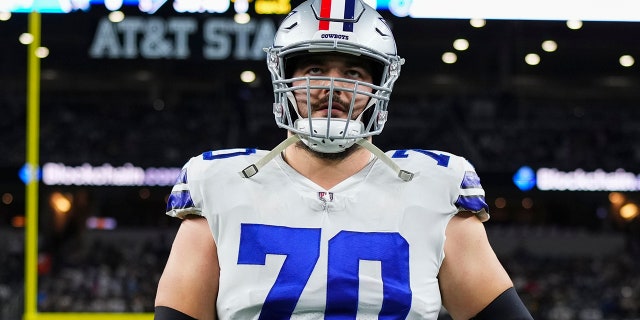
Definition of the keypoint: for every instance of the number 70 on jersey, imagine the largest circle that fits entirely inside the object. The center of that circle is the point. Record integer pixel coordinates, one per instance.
(301, 246)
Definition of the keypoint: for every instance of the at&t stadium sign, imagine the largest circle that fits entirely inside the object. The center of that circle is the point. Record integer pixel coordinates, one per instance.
(151, 37)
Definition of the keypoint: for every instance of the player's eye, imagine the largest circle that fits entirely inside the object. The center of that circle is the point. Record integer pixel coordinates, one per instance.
(314, 70)
(353, 73)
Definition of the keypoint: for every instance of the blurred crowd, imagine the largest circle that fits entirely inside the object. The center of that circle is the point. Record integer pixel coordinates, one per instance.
(499, 134)
(496, 135)
(95, 274)
(588, 288)
(121, 274)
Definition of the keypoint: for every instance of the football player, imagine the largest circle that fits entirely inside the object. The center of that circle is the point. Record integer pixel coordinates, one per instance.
(326, 225)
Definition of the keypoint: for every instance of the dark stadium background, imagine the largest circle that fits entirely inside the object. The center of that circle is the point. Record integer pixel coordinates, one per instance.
(570, 253)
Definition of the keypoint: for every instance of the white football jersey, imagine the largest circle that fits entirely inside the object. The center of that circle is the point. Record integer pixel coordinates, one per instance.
(368, 248)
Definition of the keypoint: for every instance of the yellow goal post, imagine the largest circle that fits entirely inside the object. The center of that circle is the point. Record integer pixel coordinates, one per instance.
(31, 203)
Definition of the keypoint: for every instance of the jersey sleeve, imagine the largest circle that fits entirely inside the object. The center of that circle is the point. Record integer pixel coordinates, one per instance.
(471, 195)
(180, 202)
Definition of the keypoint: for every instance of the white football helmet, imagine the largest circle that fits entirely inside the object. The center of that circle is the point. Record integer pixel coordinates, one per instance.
(336, 26)
(333, 26)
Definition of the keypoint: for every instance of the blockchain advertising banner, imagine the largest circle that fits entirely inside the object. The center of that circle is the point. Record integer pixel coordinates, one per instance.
(553, 179)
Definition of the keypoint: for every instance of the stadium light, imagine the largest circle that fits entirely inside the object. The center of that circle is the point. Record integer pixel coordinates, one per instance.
(60, 203)
(628, 211)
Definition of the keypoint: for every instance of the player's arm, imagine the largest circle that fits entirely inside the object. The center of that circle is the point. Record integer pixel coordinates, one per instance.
(473, 283)
(189, 282)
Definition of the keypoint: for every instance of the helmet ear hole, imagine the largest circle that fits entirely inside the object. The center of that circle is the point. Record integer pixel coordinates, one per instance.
(290, 64)
(377, 69)
(367, 114)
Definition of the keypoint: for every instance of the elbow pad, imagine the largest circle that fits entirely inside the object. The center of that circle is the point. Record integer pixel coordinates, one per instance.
(507, 306)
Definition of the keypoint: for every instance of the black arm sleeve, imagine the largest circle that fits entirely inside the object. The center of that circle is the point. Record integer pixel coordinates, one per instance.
(507, 306)
(166, 313)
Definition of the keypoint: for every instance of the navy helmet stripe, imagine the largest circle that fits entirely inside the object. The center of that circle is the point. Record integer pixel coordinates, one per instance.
(349, 14)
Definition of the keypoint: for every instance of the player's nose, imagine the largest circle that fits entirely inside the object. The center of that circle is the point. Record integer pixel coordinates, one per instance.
(334, 81)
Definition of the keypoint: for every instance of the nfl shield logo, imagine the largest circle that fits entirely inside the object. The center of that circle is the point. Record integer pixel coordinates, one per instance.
(325, 196)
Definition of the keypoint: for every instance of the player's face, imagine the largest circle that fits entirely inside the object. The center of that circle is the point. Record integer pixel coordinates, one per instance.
(335, 66)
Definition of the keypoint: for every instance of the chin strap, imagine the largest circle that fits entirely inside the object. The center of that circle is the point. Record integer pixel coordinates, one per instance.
(402, 174)
(251, 170)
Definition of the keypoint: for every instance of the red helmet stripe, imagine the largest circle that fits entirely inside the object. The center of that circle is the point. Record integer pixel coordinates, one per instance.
(337, 10)
(325, 13)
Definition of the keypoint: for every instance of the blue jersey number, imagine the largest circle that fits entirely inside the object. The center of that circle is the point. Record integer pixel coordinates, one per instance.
(210, 155)
(302, 249)
(442, 159)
